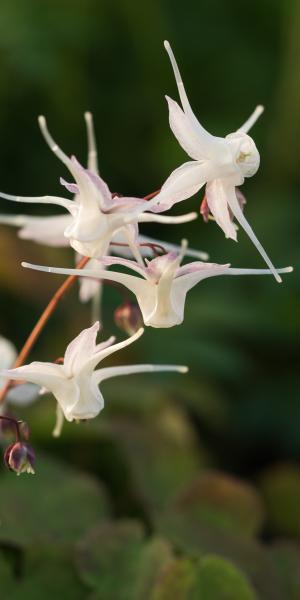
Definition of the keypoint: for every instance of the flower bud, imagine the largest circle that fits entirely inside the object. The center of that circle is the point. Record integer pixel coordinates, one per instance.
(128, 317)
(20, 458)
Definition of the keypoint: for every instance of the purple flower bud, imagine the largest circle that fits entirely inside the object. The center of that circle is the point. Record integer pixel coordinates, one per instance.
(128, 317)
(20, 458)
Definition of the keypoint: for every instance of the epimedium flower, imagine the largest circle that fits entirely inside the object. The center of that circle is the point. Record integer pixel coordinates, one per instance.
(96, 214)
(75, 382)
(160, 285)
(221, 164)
(49, 231)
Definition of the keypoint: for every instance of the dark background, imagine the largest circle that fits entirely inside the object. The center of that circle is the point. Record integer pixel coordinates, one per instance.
(240, 401)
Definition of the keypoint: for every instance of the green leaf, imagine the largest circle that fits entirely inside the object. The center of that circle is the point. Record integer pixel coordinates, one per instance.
(219, 579)
(176, 581)
(188, 535)
(118, 562)
(48, 572)
(162, 454)
(223, 500)
(286, 556)
(58, 503)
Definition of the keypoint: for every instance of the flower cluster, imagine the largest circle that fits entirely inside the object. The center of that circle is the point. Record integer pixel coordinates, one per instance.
(99, 223)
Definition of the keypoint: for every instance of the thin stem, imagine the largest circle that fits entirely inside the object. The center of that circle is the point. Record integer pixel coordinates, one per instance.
(46, 314)
(150, 196)
(16, 424)
(152, 246)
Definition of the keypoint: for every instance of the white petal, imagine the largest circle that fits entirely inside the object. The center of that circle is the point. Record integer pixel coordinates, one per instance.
(184, 131)
(92, 146)
(238, 213)
(109, 372)
(217, 194)
(44, 374)
(80, 350)
(167, 220)
(68, 204)
(183, 183)
(104, 353)
(252, 119)
(46, 230)
(134, 284)
(206, 137)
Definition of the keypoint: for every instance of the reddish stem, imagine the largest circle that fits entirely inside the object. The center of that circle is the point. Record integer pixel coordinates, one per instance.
(150, 196)
(16, 424)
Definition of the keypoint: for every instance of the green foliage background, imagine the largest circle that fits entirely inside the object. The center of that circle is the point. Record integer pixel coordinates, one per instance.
(202, 469)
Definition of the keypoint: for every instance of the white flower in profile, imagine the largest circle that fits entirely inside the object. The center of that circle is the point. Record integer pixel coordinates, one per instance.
(96, 214)
(220, 163)
(162, 284)
(75, 382)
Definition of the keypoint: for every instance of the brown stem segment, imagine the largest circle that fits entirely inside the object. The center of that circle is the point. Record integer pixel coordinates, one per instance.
(39, 326)
(150, 196)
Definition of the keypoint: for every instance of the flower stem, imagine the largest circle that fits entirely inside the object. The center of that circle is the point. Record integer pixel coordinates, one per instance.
(15, 423)
(150, 196)
(39, 326)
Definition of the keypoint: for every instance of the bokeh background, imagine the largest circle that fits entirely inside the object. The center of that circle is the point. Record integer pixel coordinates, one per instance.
(185, 487)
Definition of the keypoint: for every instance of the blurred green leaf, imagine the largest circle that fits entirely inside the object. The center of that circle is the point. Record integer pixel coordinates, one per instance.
(280, 488)
(48, 572)
(218, 579)
(224, 501)
(162, 454)
(286, 556)
(57, 504)
(199, 538)
(118, 561)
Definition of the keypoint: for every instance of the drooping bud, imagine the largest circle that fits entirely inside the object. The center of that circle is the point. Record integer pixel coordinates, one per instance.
(128, 317)
(20, 458)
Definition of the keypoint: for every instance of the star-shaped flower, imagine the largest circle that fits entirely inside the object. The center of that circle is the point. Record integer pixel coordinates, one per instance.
(220, 163)
(75, 382)
(96, 214)
(162, 284)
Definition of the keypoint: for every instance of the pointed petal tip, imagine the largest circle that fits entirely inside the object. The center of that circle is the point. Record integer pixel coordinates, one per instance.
(42, 120)
(167, 45)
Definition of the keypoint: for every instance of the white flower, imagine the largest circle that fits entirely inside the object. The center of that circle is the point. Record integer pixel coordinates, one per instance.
(96, 216)
(21, 395)
(75, 383)
(220, 163)
(161, 286)
(8, 355)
